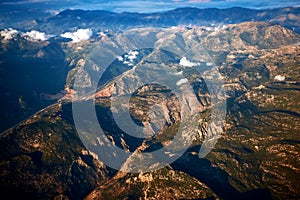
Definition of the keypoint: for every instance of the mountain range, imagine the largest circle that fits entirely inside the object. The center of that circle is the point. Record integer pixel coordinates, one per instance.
(255, 53)
(68, 20)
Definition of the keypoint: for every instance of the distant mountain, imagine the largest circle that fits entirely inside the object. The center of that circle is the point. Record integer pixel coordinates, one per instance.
(18, 17)
(70, 19)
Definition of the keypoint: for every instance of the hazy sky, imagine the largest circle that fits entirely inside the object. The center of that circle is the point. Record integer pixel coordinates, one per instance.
(146, 6)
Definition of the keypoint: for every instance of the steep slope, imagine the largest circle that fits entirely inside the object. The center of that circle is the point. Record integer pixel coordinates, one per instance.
(259, 151)
(251, 35)
(257, 156)
(165, 183)
(29, 69)
(43, 158)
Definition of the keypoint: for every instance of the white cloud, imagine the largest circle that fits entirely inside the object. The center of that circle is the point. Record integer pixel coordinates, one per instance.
(128, 58)
(8, 34)
(120, 58)
(279, 78)
(79, 35)
(132, 55)
(36, 36)
(53, 12)
(179, 73)
(182, 81)
(101, 34)
(33, 35)
(186, 63)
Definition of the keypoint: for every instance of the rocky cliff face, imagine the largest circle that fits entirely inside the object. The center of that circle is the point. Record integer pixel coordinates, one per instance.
(44, 158)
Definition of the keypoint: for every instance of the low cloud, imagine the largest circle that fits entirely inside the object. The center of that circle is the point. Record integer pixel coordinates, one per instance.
(79, 35)
(8, 34)
(36, 36)
(279, 78)
(33, 35)
(186, 63)
(179, 73)
(182, 81)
